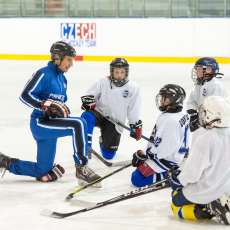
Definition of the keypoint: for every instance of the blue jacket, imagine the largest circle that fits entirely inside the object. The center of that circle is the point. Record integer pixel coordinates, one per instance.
(47, 83)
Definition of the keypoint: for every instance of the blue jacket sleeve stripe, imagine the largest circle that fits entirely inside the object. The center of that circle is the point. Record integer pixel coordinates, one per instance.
(27, 96)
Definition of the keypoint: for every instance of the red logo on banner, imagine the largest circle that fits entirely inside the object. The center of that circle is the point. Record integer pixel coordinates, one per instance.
(79, 34)
(86, 31)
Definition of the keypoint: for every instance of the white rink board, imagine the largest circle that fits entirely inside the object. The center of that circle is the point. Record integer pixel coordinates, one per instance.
(110, 37)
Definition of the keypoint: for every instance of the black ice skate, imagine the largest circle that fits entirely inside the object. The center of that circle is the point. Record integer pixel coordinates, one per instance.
(220, 208)
(86, 175)
(5, 162)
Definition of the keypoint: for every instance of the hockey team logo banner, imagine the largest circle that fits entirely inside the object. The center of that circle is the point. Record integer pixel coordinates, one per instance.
(79, 34)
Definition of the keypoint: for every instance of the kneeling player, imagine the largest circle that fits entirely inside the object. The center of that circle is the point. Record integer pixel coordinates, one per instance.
(50, 120)
(207, 79)
(202, 188)
(117, 97)
(169, 139)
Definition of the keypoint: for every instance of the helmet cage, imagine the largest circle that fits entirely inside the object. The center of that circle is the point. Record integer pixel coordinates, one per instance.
(204, 63)
(215, 112)
(122, 64)
(175, 95)
(207, 119)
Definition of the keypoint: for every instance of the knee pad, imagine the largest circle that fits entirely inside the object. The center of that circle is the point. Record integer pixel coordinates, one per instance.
(139, 180)
(107, 154)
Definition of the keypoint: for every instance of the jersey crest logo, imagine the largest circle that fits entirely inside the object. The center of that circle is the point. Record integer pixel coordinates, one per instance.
(157, 141)
(204, 92)
(125, 93)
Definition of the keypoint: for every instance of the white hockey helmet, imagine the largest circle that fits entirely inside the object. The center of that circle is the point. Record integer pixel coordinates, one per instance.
(215, 112)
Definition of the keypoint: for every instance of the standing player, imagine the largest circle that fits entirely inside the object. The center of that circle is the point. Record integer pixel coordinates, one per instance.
(115, 97)
(169, 139)
(207, 83)
(46, 94)
(202, 188)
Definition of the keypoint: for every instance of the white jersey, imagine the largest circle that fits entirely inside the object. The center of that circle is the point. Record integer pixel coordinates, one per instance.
(213, 87)
(118, 103)
(170, 141)
(206, 172)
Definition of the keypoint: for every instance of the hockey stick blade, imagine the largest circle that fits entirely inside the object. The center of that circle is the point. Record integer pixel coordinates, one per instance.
(107, 163)
(61, 215)
(80, 188)
(135, 193)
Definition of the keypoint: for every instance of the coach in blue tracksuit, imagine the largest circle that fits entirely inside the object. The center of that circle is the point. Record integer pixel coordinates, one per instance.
(47, 86)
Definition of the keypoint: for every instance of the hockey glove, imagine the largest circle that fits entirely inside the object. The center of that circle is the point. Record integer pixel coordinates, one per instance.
(138, 158)
(174, 181)
(54, 109)
(194, 120)
(88, 102)
(136, 130)
(145, 170)
(56, 172)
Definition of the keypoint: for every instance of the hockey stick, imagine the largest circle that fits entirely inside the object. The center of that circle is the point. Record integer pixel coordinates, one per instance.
(123, 126)
(107, 163)
(135, 193)
(78, 189)
(127, 128)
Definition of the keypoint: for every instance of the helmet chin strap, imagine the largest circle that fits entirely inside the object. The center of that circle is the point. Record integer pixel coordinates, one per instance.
(118, 83)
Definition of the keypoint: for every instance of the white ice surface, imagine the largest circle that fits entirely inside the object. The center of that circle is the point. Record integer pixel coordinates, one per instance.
(22, 198)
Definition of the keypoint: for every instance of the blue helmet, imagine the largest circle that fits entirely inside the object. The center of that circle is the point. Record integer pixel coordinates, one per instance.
(205, 62)
(119, 63)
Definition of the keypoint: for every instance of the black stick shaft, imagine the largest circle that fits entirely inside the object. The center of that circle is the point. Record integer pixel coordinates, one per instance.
(135, 193)
(70, 196)
(107, 163)
(127, 128)
(124, 126)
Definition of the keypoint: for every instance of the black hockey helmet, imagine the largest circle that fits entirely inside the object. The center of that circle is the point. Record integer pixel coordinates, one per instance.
(205, 62)
(119, 63)
(61, 49)
(175, 94)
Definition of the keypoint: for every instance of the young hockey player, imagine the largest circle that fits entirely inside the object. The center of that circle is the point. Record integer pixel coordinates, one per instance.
(202, 188)
(169, 139)
(117, 98)
(46, 94)
(205, 74)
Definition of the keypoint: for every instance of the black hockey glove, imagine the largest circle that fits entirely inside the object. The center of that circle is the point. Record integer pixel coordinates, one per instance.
(194, 120)
(136, 130)
(88, 102)
(138, 158)
(56, 172)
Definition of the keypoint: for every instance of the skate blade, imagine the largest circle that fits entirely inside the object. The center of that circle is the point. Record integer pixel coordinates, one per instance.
(83, 183)
(2, 172)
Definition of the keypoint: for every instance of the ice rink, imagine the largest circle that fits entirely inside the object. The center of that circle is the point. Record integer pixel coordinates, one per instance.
(22, 198)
